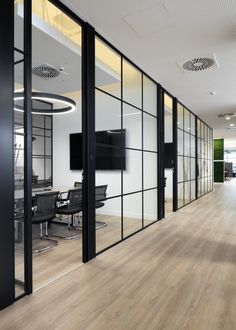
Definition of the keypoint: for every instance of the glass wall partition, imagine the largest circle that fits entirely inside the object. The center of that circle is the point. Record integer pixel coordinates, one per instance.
(186, 146)
(56, 141)
(126, 148)
(204, 151)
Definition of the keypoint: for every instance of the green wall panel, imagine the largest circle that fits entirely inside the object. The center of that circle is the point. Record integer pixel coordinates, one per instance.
(219, 149)
(218, 171)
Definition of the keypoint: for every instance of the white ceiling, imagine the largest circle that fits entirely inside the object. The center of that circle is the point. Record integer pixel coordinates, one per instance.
(158, 34)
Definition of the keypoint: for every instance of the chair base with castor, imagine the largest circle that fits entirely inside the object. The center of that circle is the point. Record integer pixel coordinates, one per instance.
(38, 245)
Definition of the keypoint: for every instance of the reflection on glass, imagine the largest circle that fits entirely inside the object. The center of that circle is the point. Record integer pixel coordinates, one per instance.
(187, 123)
(110, 177)
(149, 170)
(150, 206)
(168, 118)
(132, 123)
(149, 96)
(132, 84)
(107, 69)
(180, 116)
(180, 168)
(110, 213)
(180, 194)
(180, 142)
(132, 176)
(149, 132)
(132, 213)
(187, 144)
(187, 192)
(107, 113)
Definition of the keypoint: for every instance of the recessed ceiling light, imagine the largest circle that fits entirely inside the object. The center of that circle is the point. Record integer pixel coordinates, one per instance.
(228, 118)
(231, 125)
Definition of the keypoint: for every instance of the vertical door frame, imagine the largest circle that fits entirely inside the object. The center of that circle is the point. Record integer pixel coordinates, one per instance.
(88, 129)
(175, 160)
(161, 169)
(28, 263)
(7, 273)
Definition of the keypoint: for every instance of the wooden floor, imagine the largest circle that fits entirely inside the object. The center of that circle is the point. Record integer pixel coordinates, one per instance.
(177, 274)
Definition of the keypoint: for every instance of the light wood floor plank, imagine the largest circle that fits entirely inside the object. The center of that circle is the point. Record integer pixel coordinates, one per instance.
(177, 274)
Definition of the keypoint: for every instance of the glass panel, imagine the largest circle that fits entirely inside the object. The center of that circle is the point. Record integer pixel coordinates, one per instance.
(193, 141)
(48, 170)
(187, 190)
(132, 84)
(150, 170)
(193, 170)
(110, 214)
(107, 69)
(193, 131)
(111, 158)
(187, 145)
(149, 96)
(180, 168)
(168, 118)
(132, 213)
(180, 114)
(186, 168)
(193, 192)
(150, 206)
(38, 121)
(107, 114)
(48, 122)
(180, 195)
(132, 177)
(187, 123)
(57, 70)
(38, 145)
(180, 142)
(132, 123)
(149, 132)
(48, 146)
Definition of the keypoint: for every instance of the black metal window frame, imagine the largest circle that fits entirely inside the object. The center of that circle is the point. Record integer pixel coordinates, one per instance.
(208, 146)
(189, 156)
(142, 150)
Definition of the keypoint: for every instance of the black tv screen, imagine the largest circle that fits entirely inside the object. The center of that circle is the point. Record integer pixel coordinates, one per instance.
(110, 152)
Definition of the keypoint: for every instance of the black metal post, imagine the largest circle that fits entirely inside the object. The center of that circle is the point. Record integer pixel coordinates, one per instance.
(161, 170)
(88, 125)
(7, 276)
(28, 144)
(175, 156)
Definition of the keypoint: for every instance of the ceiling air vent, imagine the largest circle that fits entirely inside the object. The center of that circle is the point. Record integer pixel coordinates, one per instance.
(229, 114)
(197, 64)
(46, 71)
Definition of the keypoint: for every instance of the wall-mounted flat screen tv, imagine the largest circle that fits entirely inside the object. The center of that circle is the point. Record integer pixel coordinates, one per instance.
(110, 150)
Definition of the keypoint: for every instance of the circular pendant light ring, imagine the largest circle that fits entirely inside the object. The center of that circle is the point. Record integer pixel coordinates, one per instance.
(68, 105)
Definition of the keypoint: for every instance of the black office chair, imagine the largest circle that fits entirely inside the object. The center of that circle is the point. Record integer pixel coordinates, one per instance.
(100, 195)
(78, 184)
(44, 211)
(72, 206)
